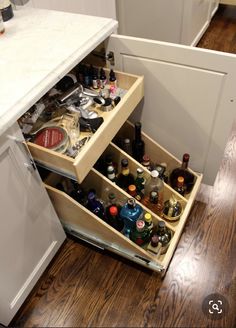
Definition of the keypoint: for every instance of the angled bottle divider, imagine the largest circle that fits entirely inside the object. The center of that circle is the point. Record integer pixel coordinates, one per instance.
(81, 220)
(117, 155)
(157, 153)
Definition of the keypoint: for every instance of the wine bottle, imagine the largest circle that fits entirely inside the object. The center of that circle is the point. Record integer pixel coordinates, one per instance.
(138, 147)
(125, 178)
(183, 172)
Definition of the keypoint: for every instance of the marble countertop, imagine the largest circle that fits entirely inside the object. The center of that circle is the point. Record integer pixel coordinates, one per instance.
(37, 49)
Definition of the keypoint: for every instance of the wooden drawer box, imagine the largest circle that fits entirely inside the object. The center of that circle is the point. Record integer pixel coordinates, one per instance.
(82, 223)
(81, 165)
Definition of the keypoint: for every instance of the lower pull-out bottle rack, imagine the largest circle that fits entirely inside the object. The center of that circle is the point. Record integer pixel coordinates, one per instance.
(80, 222)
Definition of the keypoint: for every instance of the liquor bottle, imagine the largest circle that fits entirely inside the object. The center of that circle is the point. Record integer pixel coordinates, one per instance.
(164, 235)
(126, 146)
(146, 162)
(140, 235)
(111, 173)
(95, 80)
(78, 192)
(114, 219)
(172, 209)
(161, 169)
(130, 213)
(109, 162)
(95, 205)
(183, 172)
(180, 187)
(125, 178)
(132, 190)
(148, 222)
(140, 182)
(103, 78)
(154, 193)
(112, 201)
(154, 247)
(138, 146)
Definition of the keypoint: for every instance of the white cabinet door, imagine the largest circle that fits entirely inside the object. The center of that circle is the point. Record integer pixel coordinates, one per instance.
(189, 101)
(196, 19)
(30, 232)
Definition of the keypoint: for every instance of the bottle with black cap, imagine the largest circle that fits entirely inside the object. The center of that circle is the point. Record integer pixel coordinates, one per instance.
(6, 10)
(125, 178)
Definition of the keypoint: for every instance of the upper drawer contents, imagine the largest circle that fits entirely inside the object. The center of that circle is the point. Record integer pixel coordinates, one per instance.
(69, 128)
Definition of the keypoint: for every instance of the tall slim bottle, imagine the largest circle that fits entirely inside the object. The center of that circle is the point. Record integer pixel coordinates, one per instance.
(183, 172)
(138, 146)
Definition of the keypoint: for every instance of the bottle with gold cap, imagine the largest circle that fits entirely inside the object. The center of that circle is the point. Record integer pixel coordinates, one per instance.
(180, 188)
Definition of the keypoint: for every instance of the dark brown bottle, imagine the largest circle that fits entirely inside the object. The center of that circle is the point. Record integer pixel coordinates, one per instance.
(138, 146)
(183, 172)
(125, 178)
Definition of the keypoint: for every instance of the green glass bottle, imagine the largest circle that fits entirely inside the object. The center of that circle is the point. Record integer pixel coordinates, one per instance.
(140, 235)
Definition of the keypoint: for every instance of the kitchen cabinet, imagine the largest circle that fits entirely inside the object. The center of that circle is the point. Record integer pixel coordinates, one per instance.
(180, 21)
(30, 232)
(188, 106)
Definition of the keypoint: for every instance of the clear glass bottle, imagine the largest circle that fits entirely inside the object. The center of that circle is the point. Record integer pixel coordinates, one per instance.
(154, 193)
(138, 146)
(125, 178)
(183, 172)
(140, 235)
(130, 213)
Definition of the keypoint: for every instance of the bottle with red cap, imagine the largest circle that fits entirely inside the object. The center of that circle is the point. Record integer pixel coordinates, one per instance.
(114, 219)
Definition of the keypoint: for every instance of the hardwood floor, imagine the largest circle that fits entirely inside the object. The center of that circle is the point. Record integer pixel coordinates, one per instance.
(84, 287)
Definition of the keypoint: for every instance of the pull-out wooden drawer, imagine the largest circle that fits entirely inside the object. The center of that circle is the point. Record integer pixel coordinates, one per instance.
(80, 222)
(81, 165)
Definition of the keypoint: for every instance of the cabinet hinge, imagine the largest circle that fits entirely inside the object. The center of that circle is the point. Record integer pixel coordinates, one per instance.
(109, 56)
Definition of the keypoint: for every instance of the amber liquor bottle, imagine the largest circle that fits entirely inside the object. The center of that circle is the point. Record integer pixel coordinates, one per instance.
(138, 146)
(183, 172)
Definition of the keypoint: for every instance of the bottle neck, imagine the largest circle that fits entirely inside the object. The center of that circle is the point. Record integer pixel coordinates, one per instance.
(137, 133)
(125, 171)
